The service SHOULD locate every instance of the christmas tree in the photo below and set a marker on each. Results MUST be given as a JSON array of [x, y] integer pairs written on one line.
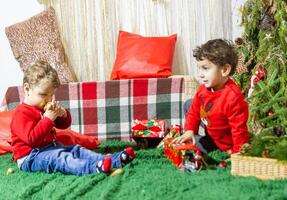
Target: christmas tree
[[262, 75]]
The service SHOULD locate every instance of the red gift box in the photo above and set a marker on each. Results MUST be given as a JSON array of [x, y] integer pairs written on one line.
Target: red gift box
[[148, 133], [153, 128]]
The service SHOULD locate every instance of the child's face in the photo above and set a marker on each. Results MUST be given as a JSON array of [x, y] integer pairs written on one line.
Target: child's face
[[39, 95], [211, 75]]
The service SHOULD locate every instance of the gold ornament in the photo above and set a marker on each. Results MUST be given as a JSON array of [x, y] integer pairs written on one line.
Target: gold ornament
[[116, 172], [10, 171]]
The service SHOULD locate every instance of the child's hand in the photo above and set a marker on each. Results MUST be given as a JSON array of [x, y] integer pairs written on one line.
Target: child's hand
[[50, 106], [54, 110], [187, 136], [51, 114], [61, 112]]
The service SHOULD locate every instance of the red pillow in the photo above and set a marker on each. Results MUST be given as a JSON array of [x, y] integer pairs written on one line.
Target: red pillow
[[143, 57], [69, 137], [5, 132]]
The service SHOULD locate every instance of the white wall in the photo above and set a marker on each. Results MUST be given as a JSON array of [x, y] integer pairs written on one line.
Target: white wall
[[14, 11], [237, 30], [11, 12]]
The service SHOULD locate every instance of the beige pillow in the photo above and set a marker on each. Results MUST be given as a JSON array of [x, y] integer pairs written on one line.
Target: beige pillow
[[38, 38]]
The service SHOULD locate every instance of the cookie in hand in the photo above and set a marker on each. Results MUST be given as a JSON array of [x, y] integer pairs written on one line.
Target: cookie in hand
[[49, 106]]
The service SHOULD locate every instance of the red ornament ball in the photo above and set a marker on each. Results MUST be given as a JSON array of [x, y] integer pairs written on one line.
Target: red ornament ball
[[270, 113], [222, 164]]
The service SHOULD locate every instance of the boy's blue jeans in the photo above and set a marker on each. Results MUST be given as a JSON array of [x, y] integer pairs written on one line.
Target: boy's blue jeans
[[204, 143], [73, 159]]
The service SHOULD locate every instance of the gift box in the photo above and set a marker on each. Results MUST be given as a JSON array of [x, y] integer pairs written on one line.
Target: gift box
[[154, 128], [174, 132], [185, 156], [148, 133]]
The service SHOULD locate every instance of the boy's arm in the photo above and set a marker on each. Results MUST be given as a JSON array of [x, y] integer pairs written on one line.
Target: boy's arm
[[192, 121], [238, 117], [34, 133]]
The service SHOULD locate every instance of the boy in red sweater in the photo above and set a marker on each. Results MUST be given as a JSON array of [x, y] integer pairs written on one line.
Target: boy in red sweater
[[218, 103], [33, 134]]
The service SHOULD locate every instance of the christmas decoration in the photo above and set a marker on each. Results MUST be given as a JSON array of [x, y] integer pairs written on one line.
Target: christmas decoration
[[245, 63], [185, 156], [148, 133], [154, 128], [279, 131], [264, 46], [241, 68], [10, 171], [259, 74], [174, 132], [268, 22], [222, 164]]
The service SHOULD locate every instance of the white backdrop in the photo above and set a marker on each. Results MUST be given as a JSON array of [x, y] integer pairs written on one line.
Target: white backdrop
[[89, 29], [10, 73]]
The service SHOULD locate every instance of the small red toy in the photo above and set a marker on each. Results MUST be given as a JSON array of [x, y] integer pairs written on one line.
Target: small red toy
[[184, 156]]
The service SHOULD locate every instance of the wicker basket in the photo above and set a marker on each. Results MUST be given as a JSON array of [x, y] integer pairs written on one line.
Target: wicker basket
[[262, 168], [190, 85]]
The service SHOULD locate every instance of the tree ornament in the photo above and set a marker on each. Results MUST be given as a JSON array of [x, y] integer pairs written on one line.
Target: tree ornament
[[279, 131], [268, 36], [239, 41], [268, 23], [259, 74], [222, 164], [241, 68], [270, 113]]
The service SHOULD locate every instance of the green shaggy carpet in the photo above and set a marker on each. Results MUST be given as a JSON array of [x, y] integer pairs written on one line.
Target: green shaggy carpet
[[149, 176]]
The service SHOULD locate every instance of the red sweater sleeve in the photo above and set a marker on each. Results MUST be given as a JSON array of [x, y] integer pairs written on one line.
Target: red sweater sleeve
[[238, 122], [63, 122], [36, 133], [192, 119]]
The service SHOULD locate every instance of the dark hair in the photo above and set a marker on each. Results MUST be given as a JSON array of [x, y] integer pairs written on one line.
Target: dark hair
[[219, 52], [41, 70]]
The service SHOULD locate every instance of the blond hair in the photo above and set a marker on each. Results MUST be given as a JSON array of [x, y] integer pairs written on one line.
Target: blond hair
[[41, 70]]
